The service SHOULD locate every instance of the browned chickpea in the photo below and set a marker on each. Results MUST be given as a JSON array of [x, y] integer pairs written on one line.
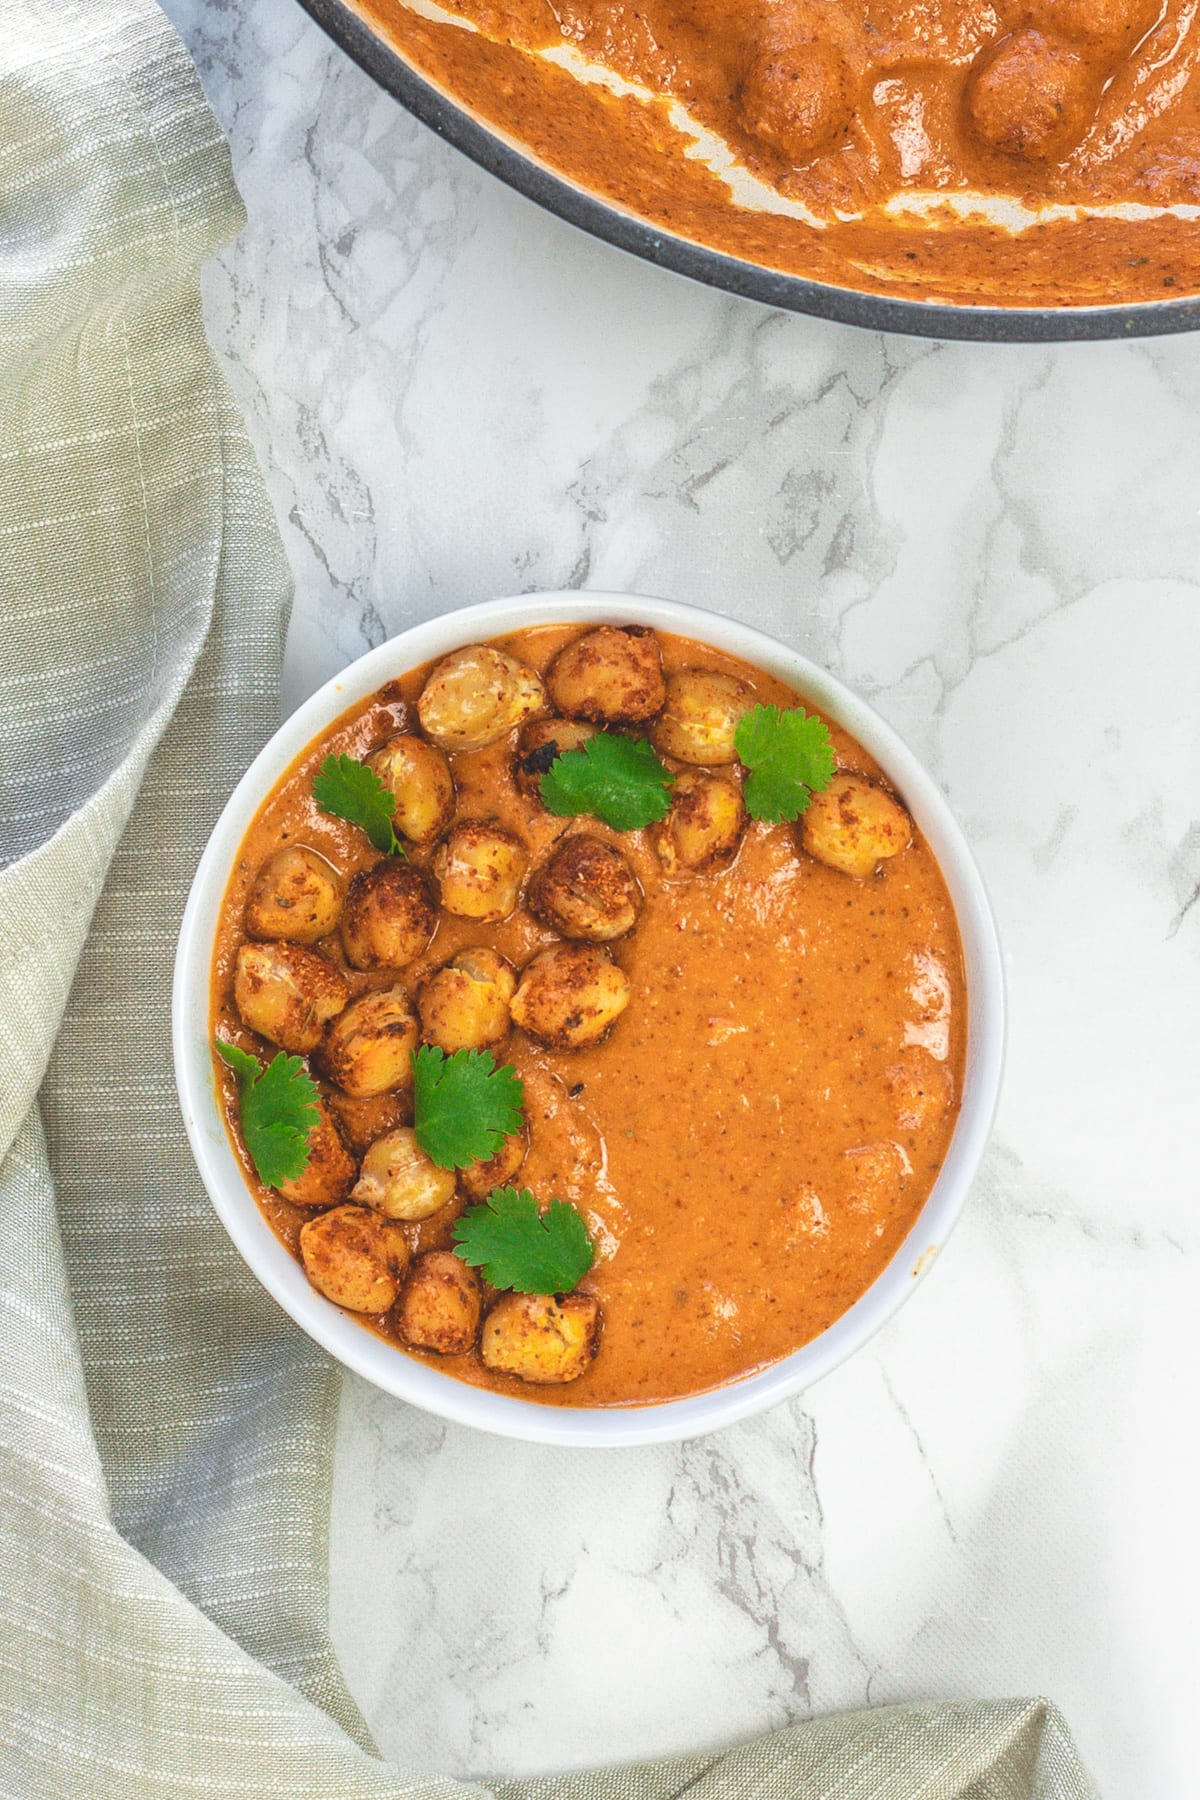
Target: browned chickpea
[[612, 675], [480, 869], [1030, 96], [286, 993], [362, 1121], [540, 744], [399, 1180], [854, 824], [798, 99], [354, 1258], [1103, 25], [440, 1305], [704, 827], [296, 896], [480, 1179], [418, 776], [570, 995], [476, 696], [586, 890], [390, 916], [464, 1006], [368, 1048], [541, 1338], [703, 711], [329, 1174]]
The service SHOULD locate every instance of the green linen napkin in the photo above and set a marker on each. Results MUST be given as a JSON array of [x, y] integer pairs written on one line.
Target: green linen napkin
[[165, 1432]]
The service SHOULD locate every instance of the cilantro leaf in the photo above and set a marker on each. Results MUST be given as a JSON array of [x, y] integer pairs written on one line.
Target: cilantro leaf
[[463, 1105], [618, 780], [789, 756], [277, 1108], [351, 791], [519, 1247]]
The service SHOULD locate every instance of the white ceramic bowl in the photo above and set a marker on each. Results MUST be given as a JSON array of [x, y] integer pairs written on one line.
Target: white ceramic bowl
[[382, 1363]]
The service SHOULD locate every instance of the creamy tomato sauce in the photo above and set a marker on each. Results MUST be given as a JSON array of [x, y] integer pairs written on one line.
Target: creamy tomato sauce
[[1020, 152], [756, 1136]]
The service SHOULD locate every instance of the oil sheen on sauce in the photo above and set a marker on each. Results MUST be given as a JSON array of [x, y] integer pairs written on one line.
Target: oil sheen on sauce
[[755, 1138], [1016, 152]]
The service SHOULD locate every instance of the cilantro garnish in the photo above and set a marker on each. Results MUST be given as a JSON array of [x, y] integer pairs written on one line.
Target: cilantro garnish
[[618, 780], [351, 791], [463, 1105], [277, 1107], [789, 756], [519, 1247]]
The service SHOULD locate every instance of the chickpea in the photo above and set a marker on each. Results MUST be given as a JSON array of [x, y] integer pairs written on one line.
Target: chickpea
[[480, 1179], [440, 1305], [286, 993], [330, 1171], [399, 1180], [354, 1259], [362, 1121], [368, 1048], [422, 787], [476, 696], [541, 1337], [540, 744], [854, 824], [464, 1006], [702, 713], [296, 896], [569, 996], [1030, 96], [877, 1176], [1110, 26], [480, 869], [390, 916], [612, 675], [704, 827], [586, 890]]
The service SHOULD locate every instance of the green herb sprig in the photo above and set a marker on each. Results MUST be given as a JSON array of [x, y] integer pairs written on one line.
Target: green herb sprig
[[277, 1109], [618, 780], [463, 1105], [520, 1247], [788, 757], [349, 790]]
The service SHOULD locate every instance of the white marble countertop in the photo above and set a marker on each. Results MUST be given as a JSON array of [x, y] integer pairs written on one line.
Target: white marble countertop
[[456, 396]]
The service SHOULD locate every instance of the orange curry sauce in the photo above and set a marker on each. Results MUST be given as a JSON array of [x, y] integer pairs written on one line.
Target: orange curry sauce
[[860, 134], [754, 1139]]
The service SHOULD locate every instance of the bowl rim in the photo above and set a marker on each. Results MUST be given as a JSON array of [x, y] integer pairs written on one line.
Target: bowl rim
[[558, 194], [340, 1333]]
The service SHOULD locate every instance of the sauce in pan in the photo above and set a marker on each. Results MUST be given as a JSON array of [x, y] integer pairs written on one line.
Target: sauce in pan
[[753, 1139], [1017, 152]]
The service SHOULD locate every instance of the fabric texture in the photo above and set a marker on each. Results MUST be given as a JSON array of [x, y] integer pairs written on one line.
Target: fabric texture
[[166, 1433]]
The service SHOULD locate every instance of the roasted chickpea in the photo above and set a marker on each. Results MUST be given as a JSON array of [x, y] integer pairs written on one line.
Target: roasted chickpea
[[354, 1258], [362, 1121], [701, 715], [368, 1048], [480, 869], [704, 827], [541, 1338], [586, 890], [476, 696], [612, 675], [570, 995], [297, 896], [286, 993], [329, 1174], [480, 1179], [854, 824], [464, 1006], [540, 744], [440, 1305], [422, 787], [1030, 96], [1103, 25], [390, 916], [399, 1180], [798, 100]]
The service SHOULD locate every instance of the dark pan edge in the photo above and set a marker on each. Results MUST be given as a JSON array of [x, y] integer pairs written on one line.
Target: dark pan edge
[[792, 293]]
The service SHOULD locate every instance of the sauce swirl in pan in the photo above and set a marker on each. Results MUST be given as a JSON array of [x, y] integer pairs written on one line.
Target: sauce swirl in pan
[[1017, 152], [753, 1139]]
